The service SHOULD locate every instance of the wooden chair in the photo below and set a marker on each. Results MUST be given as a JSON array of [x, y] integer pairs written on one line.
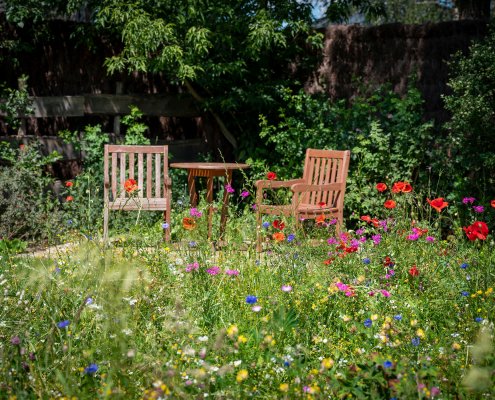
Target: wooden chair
[[152, 189], [320, 191]]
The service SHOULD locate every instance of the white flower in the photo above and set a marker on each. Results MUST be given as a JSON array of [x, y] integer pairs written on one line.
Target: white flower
[[203, 338], [237, 363]]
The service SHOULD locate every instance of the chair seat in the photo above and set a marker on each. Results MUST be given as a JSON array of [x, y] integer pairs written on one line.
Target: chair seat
[[303, 209], [136, 203]]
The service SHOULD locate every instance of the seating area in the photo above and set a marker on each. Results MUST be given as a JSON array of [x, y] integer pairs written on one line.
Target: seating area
[[137, 178]]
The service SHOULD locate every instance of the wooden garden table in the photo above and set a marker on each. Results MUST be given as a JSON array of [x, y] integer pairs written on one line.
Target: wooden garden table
[[209, 170]]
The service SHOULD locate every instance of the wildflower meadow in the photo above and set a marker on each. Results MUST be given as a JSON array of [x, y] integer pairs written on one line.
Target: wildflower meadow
[[397, 305]]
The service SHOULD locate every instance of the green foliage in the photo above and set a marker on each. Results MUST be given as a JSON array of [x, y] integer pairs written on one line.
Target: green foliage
[[16, 103], [471, 130], [28, 206], [135, 128], [385, 133], [13, 246]]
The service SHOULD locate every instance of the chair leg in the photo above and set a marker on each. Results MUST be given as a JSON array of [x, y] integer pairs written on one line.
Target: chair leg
[[258, 231], [105, 223], [166, 231]]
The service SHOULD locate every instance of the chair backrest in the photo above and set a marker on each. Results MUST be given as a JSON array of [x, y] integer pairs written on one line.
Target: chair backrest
[[147, 165], [322, 167]]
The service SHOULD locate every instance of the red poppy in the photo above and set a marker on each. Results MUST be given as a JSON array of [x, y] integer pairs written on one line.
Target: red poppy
[[130, 185], [328, 261], [398, 187], [375, 222], [407, 188], [381, 187], [322, 204], [477, 230], [271, 176], [320, 219], [492, 203], [366, 218], [188, 223], [390, 204], [69, 184], [388, 262], [278, 236], [278, 224], [438, 203], [69, 198], [413, 271]]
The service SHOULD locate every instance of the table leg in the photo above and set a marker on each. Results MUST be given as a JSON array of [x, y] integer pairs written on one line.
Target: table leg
[[193, 196], [209, 199], [225, 205]]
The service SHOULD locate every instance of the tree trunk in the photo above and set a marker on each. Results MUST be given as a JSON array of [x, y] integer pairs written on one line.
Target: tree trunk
[[473, 9]]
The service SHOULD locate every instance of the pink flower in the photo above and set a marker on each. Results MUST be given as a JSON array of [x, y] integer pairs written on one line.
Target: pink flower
[[332, 240], [478, 209], [232, 272], [468, 200], [286, 288], [213, 270], [430, 239], [192, 267], [244, 193], [229, 188], [341, 286], [413, 236], [256, 308], [385, 293]]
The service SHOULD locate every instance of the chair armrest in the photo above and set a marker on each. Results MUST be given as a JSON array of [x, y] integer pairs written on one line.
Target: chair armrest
[[303, 187], [167, 181], [265, 184]]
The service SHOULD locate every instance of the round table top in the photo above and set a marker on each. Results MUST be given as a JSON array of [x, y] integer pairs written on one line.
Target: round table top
[[209, 165]]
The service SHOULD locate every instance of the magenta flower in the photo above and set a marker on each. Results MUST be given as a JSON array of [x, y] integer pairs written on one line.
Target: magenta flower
[[286, 288], [385, 293], [376, 239], [229, 188], [232, 272], [332, 240], [413, 236], [468, 200], [192, 267], [478, 209], [194, 212], [430, 239], [213, 270], [244, 194]]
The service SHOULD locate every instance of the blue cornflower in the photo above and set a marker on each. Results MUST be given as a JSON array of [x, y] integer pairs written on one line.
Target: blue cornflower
[[286, 363], [63, 324], [165, 225], [388, 364], [415, 341], [464, 293], [192, 243], [266, 225], [368, 323], [366, 260], [291, 237], [250, 299], [69, 222], [89, 301], [464, 265], [91, 369], [478, 319], [398, 317]]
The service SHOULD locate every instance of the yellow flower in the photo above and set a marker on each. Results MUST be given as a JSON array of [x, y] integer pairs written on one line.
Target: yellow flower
[[284, 387], [346, 318], [456, 346], [327, 363], [242, 339], [232, 330], [360, 279], [420, 333], [414, 322], [374, 317], [242, 375]]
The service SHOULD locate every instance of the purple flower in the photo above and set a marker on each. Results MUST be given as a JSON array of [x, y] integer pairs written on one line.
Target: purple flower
[[286, 288], [360, 231], [63, 324], [91, 369], [15, 340], [165, 225], [464, 265], [398, 317], [250, 299], [266, 225], [332, 221], [464, 293], [213, 270], [192, 267], [88, 301], [367, 323], [478, 209], [244, 194], [332, 240], [232, 272], [413, 236], [194, 212], [468, 200], [388, 364], [478, 319], [291, 237], [415, 341], [366, 261], [430, 239], [385, 293], [229, 188], [376, 239]]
